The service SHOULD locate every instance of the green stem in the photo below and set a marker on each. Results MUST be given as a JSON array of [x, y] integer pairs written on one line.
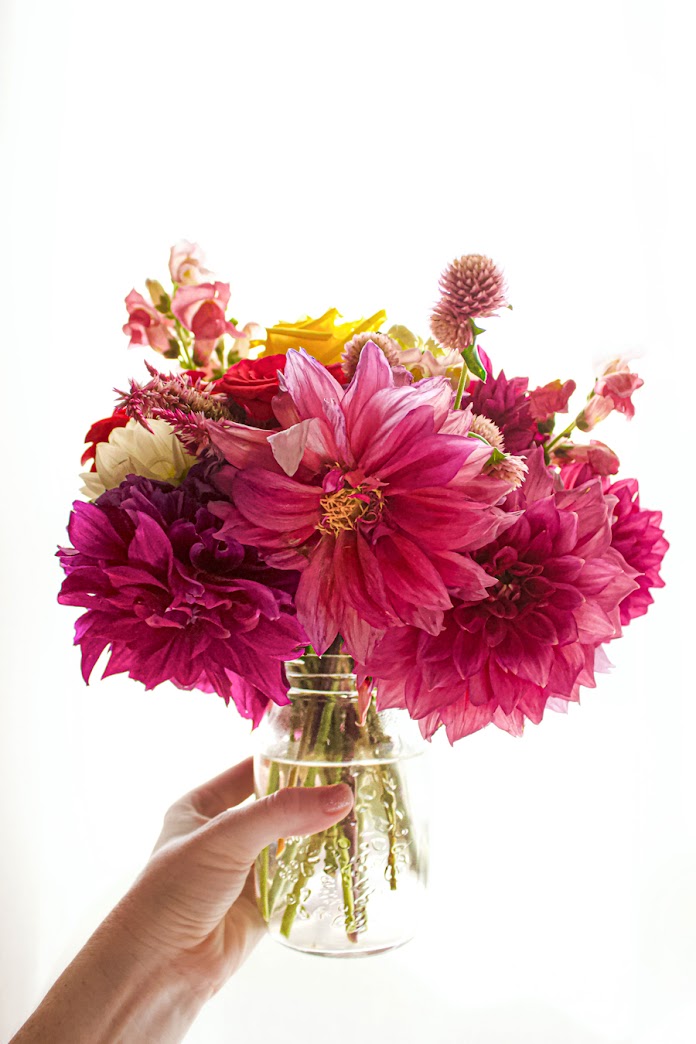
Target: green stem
[[273, 780], [461, 386], [293, 901], [563, 435]]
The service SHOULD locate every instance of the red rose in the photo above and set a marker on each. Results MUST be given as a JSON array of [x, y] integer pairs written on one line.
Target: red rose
[[252, 383], [337, 372], [100, 431]]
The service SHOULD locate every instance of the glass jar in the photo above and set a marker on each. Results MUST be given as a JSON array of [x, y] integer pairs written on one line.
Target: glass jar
[[357, 888]]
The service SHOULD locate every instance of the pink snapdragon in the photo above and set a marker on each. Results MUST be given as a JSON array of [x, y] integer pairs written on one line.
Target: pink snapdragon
[[148, 326], [201, 309], [579, 463], [550, 399], [186, 264], [618, 383]]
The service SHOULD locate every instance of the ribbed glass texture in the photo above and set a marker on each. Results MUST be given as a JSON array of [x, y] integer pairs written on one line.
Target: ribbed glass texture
[[357, 888]]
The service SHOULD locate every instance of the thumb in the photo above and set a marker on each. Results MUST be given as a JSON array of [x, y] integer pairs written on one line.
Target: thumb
[[294, 810]]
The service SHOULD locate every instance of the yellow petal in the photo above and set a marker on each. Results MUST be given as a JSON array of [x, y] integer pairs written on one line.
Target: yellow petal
[[323, 338]]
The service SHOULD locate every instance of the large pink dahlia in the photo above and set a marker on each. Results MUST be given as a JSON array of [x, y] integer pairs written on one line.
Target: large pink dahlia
[[374, 491], [637, 535], [557, 584], [174, 601]]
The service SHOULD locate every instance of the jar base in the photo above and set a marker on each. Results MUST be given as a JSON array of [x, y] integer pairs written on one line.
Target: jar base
[[368, 951]]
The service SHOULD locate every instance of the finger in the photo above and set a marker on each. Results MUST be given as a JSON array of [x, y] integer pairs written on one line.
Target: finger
[[290, 812], [224, 791]]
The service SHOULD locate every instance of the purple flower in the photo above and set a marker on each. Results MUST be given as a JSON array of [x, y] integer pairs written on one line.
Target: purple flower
[[174, 601], [507, 404]]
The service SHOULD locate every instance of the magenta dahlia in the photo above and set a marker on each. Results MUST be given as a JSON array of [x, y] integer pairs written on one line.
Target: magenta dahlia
[[637, 535], [556, 587], [507, 403], [374, 491], [173, 600]]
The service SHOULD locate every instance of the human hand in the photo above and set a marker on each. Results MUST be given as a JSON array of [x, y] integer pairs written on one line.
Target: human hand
[[194, 901], [188, 922]]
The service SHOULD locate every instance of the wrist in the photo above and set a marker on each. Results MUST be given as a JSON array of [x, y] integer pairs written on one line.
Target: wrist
[[118, 988]]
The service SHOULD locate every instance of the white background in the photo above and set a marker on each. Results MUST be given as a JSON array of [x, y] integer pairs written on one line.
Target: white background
[[341, 155]]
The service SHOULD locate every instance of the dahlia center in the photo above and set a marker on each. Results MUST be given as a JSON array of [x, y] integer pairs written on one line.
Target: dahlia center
[[345, 507]]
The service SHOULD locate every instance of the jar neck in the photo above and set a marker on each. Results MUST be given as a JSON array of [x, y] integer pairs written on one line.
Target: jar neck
[[331, 674]]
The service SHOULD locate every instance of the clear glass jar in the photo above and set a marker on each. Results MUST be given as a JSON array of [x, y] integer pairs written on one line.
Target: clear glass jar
[[357, 888]]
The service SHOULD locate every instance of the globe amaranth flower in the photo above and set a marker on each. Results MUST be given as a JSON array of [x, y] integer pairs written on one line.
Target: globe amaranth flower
[[373, 490], [351, 352], [556, 587], [172, 600], [472, 287], [637, 535], [134, 450]]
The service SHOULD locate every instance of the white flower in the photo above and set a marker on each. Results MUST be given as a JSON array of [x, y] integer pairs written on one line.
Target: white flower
[[134, 450]]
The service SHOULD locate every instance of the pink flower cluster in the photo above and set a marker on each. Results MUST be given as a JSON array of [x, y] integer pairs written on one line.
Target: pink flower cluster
[[471, 560]]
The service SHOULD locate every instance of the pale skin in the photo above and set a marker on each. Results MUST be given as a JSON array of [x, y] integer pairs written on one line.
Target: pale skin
[[188, 922]]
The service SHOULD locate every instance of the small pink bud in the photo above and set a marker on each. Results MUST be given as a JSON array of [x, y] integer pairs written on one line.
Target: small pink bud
[[597, 409]]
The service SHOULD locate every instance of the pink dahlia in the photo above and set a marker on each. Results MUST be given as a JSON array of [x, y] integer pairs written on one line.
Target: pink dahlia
[[556, 584], [374, 491], [637, 535], [173, 600]]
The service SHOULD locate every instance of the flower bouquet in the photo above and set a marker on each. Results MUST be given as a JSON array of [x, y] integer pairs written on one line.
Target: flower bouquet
[[346, 529]]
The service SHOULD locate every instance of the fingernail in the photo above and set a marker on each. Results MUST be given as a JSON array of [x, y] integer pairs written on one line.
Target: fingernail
[[337, 798]]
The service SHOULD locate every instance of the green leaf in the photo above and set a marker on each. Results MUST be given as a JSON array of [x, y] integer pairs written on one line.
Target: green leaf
[[473, 361]]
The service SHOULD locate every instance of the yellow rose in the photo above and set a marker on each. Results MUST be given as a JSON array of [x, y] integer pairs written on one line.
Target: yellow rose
[[323, 338]]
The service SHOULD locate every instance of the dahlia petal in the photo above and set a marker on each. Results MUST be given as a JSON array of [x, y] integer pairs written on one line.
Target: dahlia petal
[[512, 723], [480, 690], [315, 599], [462, 576], [390, 441], [241, 446], [452, 522], [433, 461], [535, 665], [275, 501], [310, 384], [469, 654], [288, 446], [91, 532], [507, 687], [358, 636], [409, 573], [463, 718], [567, 665], [372, 374], [356, 586], [150, 545]]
